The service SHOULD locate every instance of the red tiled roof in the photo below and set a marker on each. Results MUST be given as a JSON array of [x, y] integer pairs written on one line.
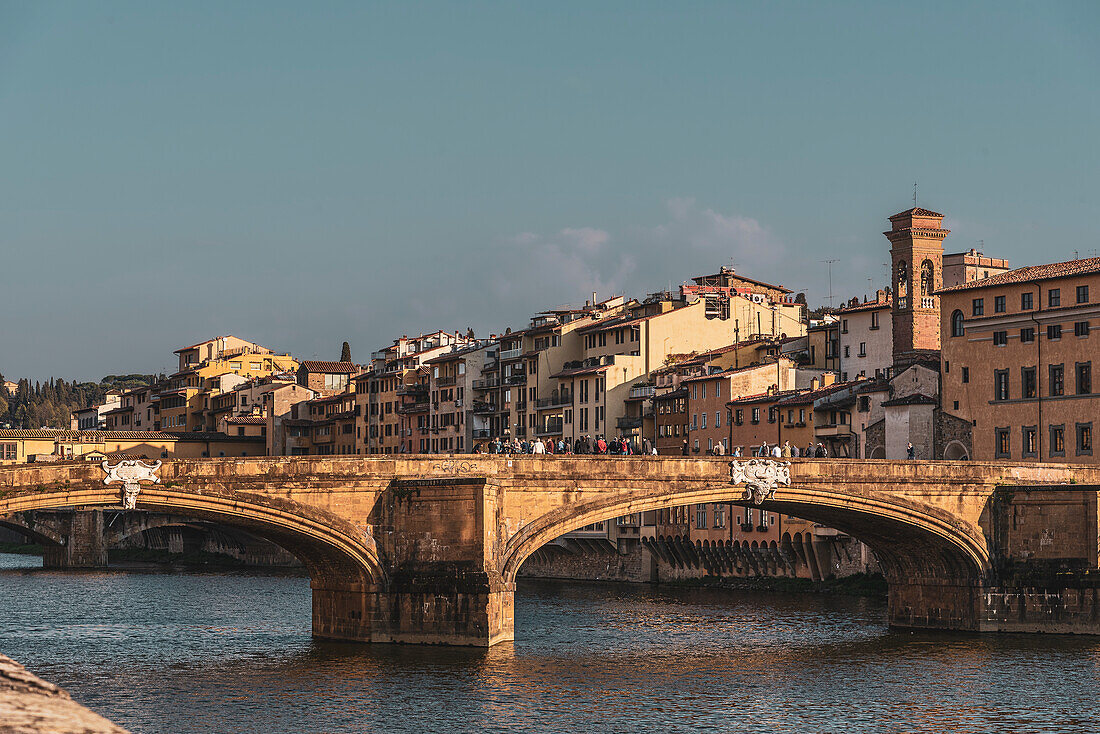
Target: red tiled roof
[[868, 306], [338, 368], [1050, 271], [247, 420], [916, 212]]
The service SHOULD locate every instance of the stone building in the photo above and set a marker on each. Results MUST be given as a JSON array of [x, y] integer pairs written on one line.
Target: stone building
[[1017, 358], [866, 339]]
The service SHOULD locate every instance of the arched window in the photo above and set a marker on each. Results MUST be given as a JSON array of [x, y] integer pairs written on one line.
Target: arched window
[[901, 284], [927, 284], [957, 323]]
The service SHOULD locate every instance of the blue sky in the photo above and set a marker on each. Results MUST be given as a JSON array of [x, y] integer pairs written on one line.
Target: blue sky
[[304, 173]]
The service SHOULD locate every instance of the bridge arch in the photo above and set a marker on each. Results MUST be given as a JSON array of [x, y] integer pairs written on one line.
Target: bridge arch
[[342, 561], [912, 541]]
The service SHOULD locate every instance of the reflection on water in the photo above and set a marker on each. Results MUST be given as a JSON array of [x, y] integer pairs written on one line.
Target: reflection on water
[[232, 653]]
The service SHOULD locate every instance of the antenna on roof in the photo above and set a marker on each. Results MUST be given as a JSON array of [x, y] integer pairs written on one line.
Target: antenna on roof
[[914, 194], [830, 264]]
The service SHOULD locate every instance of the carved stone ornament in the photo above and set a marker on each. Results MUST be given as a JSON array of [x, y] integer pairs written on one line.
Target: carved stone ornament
[[130, 472], [761, 477]]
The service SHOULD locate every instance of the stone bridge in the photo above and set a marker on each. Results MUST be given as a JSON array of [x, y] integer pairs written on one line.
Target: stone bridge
[[426, 549]]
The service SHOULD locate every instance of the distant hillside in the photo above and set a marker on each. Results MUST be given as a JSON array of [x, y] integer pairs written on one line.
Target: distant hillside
[[49, 404]]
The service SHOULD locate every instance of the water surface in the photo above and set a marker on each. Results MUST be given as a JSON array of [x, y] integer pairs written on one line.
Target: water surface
[[230, 652]]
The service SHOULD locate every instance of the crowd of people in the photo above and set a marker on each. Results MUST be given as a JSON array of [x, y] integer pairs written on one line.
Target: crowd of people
[[784, 450], [585, 445], [633, 446]]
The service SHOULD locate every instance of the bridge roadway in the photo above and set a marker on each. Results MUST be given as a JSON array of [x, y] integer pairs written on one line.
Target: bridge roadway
[[426, 549]]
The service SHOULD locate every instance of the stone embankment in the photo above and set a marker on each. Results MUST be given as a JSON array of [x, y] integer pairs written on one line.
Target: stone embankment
[[30, 705]]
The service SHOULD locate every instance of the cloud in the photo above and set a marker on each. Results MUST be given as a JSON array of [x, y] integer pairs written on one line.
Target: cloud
[[562, 266]]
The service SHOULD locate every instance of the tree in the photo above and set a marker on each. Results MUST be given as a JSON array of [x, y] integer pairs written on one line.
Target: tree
[[345, 353], [800, 298]]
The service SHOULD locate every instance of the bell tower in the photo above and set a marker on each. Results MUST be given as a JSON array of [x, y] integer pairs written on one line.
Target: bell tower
[[916, 273]]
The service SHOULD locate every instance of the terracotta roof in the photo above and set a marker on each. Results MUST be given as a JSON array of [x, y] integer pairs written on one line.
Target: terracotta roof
[[737, 370], [341, 368], [868, 306], [74, 435], [1050, 271], [247, 420], [914, 399], [916, 212]]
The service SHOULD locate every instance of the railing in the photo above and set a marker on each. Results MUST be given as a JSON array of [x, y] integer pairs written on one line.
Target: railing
[[903, 303], [521, 405], [519, 379], [511, 353], [643, 391], [487, 383], [446, 381], [551, 427], [412, 389], [483, 408], [482, 433], [416, 407], [928, 302], [490, 365], [629, 422], [556, 400]]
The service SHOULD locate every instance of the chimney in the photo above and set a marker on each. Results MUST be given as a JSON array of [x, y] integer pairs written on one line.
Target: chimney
[[880, 296], [814, 383], [593, 298]]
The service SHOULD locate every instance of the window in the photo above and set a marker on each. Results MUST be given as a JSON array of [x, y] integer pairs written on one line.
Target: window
[[874, 319], [704, 423], [1026, 301], [1027, 385], [1000, 338], [977, 307], [847, 351], [701, 517], [1082, 294], [1081, 328], [863, 349], [1054, 331], [703, 391], [1000, 384], [8, 451], [1029, 449], [1001, 447], [844, 326], [717, 419], [739, 416], [1027, 335], [1054, 297], [957, 323], [1057, 380], [998, 304], [966, 375], [1084, 439], [756, 415], [1058, 440], [1084, 378]]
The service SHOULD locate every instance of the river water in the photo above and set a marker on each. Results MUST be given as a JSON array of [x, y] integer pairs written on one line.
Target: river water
[[227, 652]]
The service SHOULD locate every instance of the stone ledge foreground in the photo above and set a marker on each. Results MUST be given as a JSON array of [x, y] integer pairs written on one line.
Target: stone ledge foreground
[[30, 705]]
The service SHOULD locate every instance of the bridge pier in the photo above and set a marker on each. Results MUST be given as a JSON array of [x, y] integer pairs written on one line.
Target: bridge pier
[[935, 604], [82, 541]]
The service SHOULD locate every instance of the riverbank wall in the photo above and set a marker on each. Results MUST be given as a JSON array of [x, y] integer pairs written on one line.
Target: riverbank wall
[[30, 705]]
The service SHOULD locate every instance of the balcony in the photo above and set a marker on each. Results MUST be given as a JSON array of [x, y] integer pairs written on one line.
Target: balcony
[[418, 407], [490, 365], [928, 302], [556, 400], [521, 405], [417, 389], [642, 391], [552, 427], [446, 381], [487, 384], [629, 422], [482, 433], [483, 408], [516, 379], [510, 354]]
